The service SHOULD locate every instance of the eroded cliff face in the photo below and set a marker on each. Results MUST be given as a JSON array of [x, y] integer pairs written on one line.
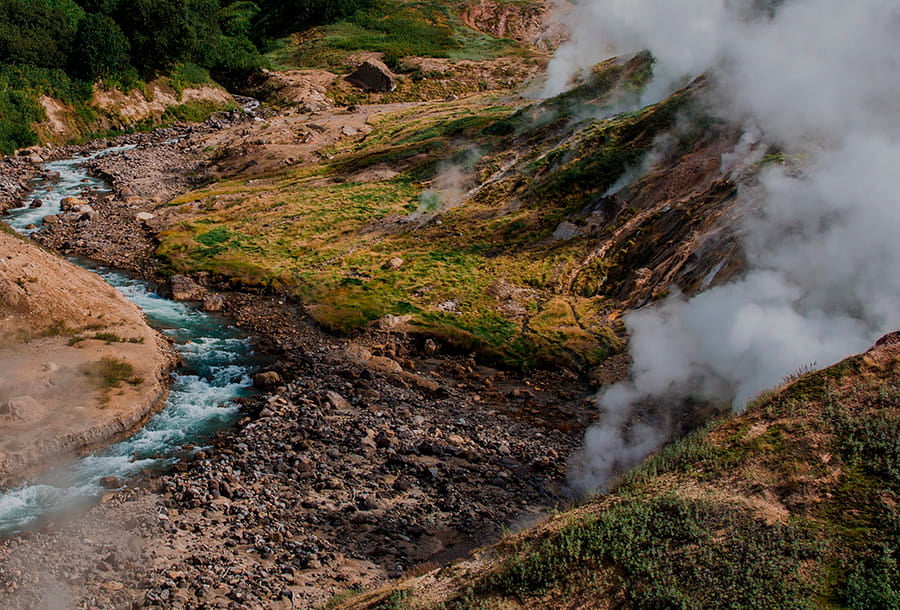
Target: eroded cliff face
[[530, 22], [78, 363], [116, 109]]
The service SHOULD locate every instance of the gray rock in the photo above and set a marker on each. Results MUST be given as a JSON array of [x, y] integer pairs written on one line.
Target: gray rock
[[214, 302], [337, 401]]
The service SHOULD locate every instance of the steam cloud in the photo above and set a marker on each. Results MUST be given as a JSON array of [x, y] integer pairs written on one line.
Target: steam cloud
[[816, 77]]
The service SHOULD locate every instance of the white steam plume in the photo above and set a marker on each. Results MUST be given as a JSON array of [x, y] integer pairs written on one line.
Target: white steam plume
[[820, 77]]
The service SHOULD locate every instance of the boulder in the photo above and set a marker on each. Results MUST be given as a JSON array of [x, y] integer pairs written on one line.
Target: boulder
[[52, 219], [69, 204], [337, 401], [36, 203], [111, 483], [393, 264], [373, 75], [391, 322], [182, 288], [213, 302], [24, 409], [144, 216], [266, 380]]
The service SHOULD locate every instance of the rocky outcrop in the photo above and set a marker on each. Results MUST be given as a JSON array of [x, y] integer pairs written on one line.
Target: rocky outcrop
[[117, 109], [373, 75]]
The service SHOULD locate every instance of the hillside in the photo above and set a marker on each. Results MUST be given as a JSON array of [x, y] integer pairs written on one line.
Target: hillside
[[489, 222], [792, 504]]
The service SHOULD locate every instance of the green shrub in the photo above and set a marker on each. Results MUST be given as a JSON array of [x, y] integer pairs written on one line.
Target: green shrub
[[673, 553]]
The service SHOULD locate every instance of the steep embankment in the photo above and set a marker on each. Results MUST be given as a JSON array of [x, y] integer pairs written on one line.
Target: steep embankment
[[80, 365], [158, 103], [792, 504]]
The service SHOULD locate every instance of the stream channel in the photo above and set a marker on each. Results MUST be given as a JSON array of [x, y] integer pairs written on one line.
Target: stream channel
[[215, 368]]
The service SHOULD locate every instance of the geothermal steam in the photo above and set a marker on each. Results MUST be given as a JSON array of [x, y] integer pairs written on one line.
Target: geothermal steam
[[819, 78]]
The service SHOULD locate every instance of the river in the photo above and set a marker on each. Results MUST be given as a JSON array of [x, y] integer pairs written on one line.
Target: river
[[215, 369]]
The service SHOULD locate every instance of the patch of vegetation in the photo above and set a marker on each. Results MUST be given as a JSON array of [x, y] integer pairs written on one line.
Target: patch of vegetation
[[110, 373], [195, 111], [107, 337], [396, 29], [675, 553]]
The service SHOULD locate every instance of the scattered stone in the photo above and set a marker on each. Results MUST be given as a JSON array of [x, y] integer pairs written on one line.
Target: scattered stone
[[144, 216], [36, 203]]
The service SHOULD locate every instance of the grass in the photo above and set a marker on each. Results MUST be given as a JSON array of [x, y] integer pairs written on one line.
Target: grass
[[106, 337], [108, 373], [674, 553]]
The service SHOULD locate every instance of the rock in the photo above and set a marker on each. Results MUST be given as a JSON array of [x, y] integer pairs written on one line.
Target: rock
[[36, 203], [430, 347], [384, 365], [347, 130], [71, 204], [373, 75], [144, 216], [36, 159], [337, 401], [182, 288], [22, 409], [393, 264], [51, 219], [31, 226], [392, 322], [111, 483], [566, 230], [266, 380], [214, 302]]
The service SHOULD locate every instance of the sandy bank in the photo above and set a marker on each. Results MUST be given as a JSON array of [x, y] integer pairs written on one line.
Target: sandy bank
[[78, 363]]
